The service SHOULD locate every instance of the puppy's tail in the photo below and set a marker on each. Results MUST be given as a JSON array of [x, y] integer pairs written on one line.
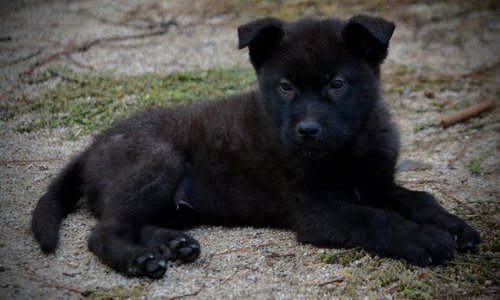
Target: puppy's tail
[[60, 199]]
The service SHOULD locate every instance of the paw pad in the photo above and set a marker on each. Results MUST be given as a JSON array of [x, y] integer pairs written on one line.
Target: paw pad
[[148, 265], [186, 250]]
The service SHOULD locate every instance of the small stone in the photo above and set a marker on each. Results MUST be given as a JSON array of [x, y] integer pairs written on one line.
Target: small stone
[[429, 95], [414, 165]]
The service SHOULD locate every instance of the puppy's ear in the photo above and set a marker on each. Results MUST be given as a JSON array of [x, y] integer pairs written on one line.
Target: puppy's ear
[[370, 36], [261, 37]]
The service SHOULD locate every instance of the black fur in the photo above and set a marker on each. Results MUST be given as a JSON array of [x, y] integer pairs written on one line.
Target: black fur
[[313, 149]]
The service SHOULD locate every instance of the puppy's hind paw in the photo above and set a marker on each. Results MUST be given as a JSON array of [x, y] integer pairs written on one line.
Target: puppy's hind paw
[[171, 244], [186, 249], [152, 266]]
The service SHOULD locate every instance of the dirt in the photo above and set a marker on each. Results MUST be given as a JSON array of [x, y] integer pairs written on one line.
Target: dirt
[[433, 40]]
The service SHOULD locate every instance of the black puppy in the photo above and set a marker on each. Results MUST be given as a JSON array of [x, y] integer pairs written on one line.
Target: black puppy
[[314, 149]]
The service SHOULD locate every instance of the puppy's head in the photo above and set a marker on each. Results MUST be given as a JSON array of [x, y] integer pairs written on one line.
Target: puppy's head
[[318, 79]]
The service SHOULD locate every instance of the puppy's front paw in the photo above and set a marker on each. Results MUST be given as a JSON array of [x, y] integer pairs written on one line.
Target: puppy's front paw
[[467, 239], [465, 236], [425, 245]]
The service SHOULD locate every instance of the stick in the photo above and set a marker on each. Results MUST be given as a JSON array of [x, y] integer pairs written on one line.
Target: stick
[[471, 111], [453, 197], [27, 162], [244, 249], [186, 295], [464, 147], [72, 47], [418, 182], [74, 290], [335, 280]]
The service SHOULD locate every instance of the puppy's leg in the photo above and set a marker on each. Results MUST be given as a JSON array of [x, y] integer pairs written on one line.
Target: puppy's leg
[[341, 223], [138, 194], [117, 246], [422, 208]]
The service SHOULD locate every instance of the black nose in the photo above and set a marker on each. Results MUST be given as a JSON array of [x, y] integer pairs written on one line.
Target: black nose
[[308, 130]]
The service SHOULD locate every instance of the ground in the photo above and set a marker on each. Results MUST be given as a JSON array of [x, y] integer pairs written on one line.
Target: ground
[[69, 68]]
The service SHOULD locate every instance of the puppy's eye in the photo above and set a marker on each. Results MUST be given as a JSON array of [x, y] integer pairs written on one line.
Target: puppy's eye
[[286, 86], [337, 84]]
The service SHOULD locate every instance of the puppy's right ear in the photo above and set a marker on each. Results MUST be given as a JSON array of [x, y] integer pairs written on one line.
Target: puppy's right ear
[[261, 37], [370, 36]]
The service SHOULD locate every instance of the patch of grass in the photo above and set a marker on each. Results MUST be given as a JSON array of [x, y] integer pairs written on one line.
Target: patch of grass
[[376, 278], [87, 102], [282, 9], [116, 292], [475, 166], [292, 9], [419, 127], [403, 79], [342, 257]]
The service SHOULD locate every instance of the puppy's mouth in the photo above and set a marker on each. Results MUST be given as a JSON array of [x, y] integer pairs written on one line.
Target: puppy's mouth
[[313, 153], [309, 149]]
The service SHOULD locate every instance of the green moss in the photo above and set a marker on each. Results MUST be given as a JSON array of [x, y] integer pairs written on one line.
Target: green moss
[[475, 166], [116, 292], [87, 102], [419, 127], [342, 257]]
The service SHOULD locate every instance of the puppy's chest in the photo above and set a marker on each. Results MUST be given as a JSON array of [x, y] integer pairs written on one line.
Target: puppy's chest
[[238, 189]]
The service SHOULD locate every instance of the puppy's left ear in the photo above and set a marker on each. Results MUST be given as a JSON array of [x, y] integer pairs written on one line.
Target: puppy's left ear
[[261, 37], [370, 36]]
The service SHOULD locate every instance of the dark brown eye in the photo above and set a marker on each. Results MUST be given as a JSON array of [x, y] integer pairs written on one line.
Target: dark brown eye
[[286, 86], [337, 84]]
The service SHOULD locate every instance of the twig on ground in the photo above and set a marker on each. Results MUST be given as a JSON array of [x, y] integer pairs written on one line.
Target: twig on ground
[[231, 276], [72, 47], [193, 294], [23, 58], [453, 197], [485, 201], [464, 147], [241, 249], [63, 77], [418, 181], [387, 290], [74, 290], [271, 254], [79, 64], [235, 273], [335, 280], [104, 20], [425, 144], [26, 162], [471, 111]]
